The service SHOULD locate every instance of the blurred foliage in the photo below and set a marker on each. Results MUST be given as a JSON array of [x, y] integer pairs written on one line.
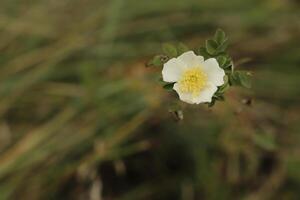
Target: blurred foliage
[[82, 118]]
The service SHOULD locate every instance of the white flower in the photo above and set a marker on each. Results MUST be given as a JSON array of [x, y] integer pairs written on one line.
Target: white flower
[[195, 80]]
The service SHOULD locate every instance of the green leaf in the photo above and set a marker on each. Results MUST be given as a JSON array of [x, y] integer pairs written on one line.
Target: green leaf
[[224, 57], [221, 60], [211, 47], [245, 79], [157, 61], [169, 49], [220, 36], [223, 87], [202, 51], [222, 47], [227, 64], [241, 78], [168, 86], [234, 79], [182, 48], [226, 79], [219, 97]]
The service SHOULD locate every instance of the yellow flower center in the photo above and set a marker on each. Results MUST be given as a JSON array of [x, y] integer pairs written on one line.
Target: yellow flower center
[[193, 81]]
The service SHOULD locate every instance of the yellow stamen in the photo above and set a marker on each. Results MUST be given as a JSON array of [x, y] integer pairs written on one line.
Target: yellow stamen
[[193, 81]]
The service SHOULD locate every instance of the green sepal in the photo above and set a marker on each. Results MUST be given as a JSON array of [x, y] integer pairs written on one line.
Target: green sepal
[[169, 86]]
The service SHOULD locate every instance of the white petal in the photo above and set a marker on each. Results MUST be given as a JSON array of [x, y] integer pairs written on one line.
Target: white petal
[[191, 59], [183, 96], [172, 70], [215, 74], [206, 94]]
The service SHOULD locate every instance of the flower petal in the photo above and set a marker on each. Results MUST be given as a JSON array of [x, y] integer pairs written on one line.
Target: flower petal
[[206, 94], [183, 96], [191, 59], [215, 74], [172, 70]]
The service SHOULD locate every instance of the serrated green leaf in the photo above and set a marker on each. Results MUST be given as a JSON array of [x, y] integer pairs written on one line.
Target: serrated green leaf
[[169, 86], [182, 48], [211, 47], [220, 36], [170, 50]]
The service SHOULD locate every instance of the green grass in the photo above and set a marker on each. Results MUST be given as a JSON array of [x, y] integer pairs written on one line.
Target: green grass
[[78, 109]]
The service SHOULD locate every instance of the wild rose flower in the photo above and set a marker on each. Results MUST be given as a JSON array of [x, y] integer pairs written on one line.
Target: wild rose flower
[[196, 80]]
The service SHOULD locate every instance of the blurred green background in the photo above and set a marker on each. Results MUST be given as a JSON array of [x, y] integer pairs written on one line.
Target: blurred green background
[[82, 118]]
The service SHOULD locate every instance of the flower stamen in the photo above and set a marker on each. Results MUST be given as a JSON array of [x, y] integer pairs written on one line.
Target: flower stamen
[[193, 81]]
